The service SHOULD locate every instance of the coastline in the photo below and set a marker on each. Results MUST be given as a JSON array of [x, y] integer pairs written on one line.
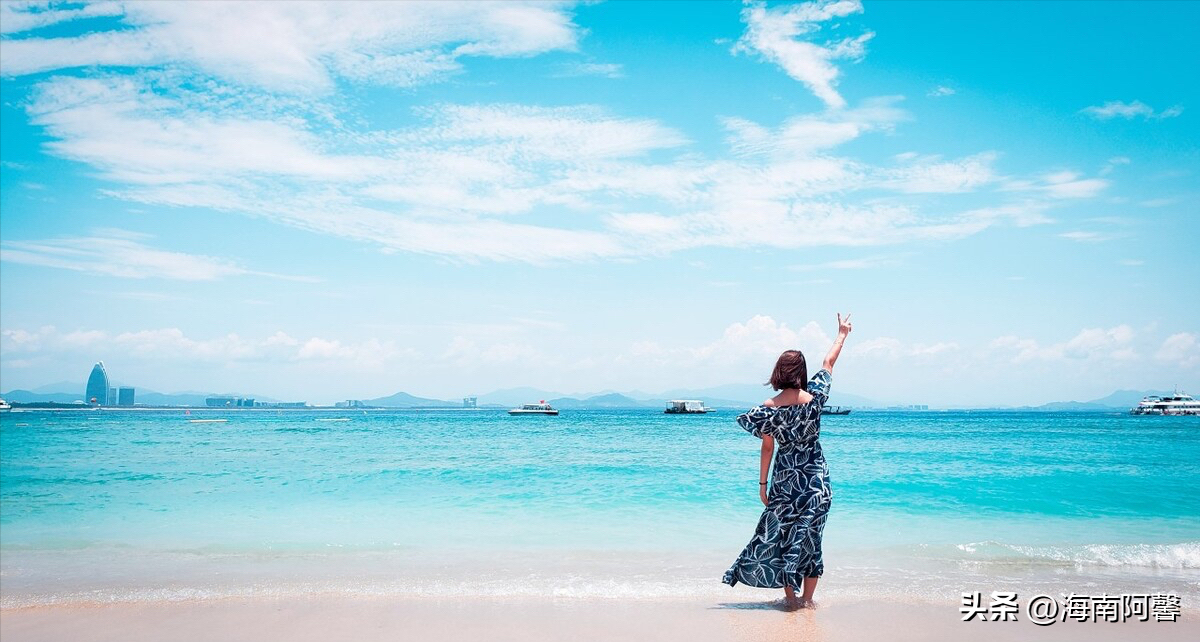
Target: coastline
[[744, 615]]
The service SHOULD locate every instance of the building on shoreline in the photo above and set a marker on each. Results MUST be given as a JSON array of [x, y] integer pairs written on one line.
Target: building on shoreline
[[125, 396], [229, 402], [96, 392]]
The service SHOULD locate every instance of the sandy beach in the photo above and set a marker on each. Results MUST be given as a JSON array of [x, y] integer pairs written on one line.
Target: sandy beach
[[328, 618]]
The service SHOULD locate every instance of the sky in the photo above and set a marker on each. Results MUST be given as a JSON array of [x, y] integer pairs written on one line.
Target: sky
[[323, 201]]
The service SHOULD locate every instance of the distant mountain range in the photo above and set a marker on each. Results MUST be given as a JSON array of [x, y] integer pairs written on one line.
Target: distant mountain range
[[1120, 399], [60, 393], [727, 396]]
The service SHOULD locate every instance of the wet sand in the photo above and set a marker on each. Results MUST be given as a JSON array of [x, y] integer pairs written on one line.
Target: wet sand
[[364, 619]]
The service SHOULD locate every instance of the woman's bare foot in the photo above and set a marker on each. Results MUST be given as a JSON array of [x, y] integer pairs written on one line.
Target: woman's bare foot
[[792, 603]]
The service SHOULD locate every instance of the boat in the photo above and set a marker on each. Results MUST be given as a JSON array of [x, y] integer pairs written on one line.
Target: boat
[[539, 408], [686, 407], [4, 406], [834, 410], [1177, 403]]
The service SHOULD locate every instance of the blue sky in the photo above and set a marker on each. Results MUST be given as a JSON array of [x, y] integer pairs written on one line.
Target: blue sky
[[325, 201]]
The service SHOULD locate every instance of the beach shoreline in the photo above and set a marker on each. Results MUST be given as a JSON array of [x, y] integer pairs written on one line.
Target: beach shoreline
[[742, 616]]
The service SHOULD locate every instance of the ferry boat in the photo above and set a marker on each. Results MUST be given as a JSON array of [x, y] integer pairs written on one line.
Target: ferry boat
[[1173, 404], [686, 407], [540, 408], [834, 410]]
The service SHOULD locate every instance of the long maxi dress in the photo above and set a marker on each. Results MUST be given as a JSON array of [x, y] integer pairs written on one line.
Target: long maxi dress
[[786, 547]]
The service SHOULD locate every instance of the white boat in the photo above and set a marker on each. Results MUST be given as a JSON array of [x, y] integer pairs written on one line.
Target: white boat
[[4, 405], [1173, 404], [540, 408], [686, 407]]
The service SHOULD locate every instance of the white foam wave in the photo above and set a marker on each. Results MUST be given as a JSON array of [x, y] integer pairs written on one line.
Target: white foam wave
[[1184, 555]]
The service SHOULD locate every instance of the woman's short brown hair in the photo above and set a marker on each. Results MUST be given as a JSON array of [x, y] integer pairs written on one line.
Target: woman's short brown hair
[[791, 371]]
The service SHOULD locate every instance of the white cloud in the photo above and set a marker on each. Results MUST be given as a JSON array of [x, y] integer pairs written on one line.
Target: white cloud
[[941, 90], [1093, 343], [454, 184], [889, 348], [16, 17], [1117, 109], [1113, 163], [307, 46], [111, 253], [172, 345], [850, 264], [810, 133], [602, 69], [775, 34], [1159, 202], [1087, 236], [1064, 184], [943, 177], [744, 348], [1181, 349]]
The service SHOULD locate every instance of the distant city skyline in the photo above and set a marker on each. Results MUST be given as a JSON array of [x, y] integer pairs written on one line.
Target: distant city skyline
[[447, 199]]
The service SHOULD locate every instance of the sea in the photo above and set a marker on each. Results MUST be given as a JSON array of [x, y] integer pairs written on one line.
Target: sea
[[116, 506]]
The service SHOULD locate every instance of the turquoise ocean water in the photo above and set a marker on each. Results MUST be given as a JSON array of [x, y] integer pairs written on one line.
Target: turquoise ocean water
[[143, 505]]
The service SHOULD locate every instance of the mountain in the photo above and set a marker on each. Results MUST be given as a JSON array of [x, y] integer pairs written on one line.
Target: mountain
[[1127, 398], [405, 400], [141, 397], [611, 400], [28, 396], [737, 394], [510, 397], [1123, 399], [68, 387]]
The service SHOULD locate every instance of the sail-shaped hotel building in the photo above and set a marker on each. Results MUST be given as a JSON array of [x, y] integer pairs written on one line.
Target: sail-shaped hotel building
[[97, 386]]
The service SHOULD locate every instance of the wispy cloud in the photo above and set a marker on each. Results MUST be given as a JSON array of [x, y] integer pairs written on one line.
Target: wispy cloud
[[1064, 184], [942, 177], [780, 34], [602, 69], [120, 255], [850, 264], [308, 46], [941, 90], [1113, 163], [1087, 236], [1091, 343], [1117, 109], [1182, 349], [172, 345], [497, 182]]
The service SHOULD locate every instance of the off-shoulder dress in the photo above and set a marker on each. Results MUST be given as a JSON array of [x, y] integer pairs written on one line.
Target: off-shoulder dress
[[786, 547]]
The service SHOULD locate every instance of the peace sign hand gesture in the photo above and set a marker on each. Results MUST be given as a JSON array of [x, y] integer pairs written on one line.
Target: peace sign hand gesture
[[844, 326]]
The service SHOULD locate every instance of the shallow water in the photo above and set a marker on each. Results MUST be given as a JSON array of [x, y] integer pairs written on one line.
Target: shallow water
[[135, 505]]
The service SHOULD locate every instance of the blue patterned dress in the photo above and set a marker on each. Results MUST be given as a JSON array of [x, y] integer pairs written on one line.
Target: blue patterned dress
[[786, 547]]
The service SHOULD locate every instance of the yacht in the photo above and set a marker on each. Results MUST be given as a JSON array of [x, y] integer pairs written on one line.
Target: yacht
[[540, 408], [834, 410], [1173, 404], [686, 407], [4, 405]]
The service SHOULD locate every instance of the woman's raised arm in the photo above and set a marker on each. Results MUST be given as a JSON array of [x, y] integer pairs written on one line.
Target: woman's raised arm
[[836, 348]]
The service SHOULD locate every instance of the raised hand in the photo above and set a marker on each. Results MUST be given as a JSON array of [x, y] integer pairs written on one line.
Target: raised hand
[[844, 326]]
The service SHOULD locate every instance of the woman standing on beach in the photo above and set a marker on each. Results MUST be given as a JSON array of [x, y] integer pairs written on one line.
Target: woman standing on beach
[[786, 548]]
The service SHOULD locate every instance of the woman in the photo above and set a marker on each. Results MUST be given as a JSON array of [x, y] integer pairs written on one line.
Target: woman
[[786, 548]]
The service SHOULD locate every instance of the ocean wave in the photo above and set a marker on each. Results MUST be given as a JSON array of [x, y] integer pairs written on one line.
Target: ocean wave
[[1184, 555]]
